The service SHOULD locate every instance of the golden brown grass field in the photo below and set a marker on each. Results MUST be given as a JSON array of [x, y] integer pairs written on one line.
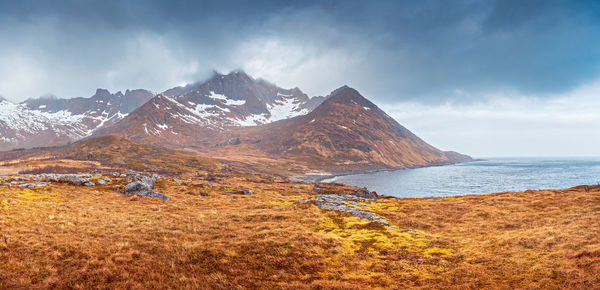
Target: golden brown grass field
[[65, 236]]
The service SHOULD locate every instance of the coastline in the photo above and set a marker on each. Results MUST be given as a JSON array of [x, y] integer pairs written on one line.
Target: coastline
[[323, 177], [500, 174]]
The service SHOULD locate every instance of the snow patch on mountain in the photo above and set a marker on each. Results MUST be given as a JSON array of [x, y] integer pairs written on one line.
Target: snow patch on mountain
[[226, 101], [219, 113], [251, 120], [285, 108]]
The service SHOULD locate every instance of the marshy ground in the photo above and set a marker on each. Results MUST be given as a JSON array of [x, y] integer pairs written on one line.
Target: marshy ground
[[66, 236]]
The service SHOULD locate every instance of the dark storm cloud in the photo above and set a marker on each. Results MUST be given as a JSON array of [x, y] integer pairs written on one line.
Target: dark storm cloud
[[390, 50]]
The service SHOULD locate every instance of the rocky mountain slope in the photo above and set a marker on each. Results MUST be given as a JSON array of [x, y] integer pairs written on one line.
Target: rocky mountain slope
[[345, 132], [52, 121]]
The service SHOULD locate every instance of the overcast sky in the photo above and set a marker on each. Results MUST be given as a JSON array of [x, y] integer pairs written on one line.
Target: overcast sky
[[486, 78]]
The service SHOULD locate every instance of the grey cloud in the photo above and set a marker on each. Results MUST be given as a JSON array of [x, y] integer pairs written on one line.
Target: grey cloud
[[391, 51]]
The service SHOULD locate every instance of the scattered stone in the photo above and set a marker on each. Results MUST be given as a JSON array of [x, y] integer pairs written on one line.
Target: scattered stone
[[341, 203], [318, 189], [241, 191], [39, 184], [364, 193], [34, 185], [103, 181], [209, 185], [89, 183], [73, 180]]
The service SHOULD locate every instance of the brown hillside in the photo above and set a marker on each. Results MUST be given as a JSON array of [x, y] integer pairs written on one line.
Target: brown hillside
[[347, 131]]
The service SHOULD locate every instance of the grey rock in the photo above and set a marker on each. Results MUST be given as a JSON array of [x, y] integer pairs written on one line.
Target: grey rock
[[297, 187], [39, 184], [136, 187], [340, 203], [143, 186], [34, 185], [73, 180], [103, 181], [155, 194], [241, 191], [366, 194], [209, 185], [177, 181]]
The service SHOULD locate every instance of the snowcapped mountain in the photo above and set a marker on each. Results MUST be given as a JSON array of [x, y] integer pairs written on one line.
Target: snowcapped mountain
[[237, 99], [51, 121], [183, 114]]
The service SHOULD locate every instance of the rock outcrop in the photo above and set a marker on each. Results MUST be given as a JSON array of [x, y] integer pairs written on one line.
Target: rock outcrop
[[143, 186]]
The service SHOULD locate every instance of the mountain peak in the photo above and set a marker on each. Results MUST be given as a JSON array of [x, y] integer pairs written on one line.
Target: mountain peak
[[233, 75], [102, 92], [345, 91], [348, 95]]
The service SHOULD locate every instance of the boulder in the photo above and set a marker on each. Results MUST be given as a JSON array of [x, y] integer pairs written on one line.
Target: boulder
[[241, 191], [144, 186], [103, 181], [209, 185], [75, 180], [33, 185], [364, 193]]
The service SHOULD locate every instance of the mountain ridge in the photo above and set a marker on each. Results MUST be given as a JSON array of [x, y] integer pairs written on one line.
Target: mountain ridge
[[342, 131], [53, 121]]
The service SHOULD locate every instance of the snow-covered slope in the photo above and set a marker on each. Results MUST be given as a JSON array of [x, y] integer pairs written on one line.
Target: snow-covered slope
[[52, 121], [219, 111]]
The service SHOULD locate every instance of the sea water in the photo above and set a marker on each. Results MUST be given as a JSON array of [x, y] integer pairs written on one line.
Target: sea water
[[478, 177]]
